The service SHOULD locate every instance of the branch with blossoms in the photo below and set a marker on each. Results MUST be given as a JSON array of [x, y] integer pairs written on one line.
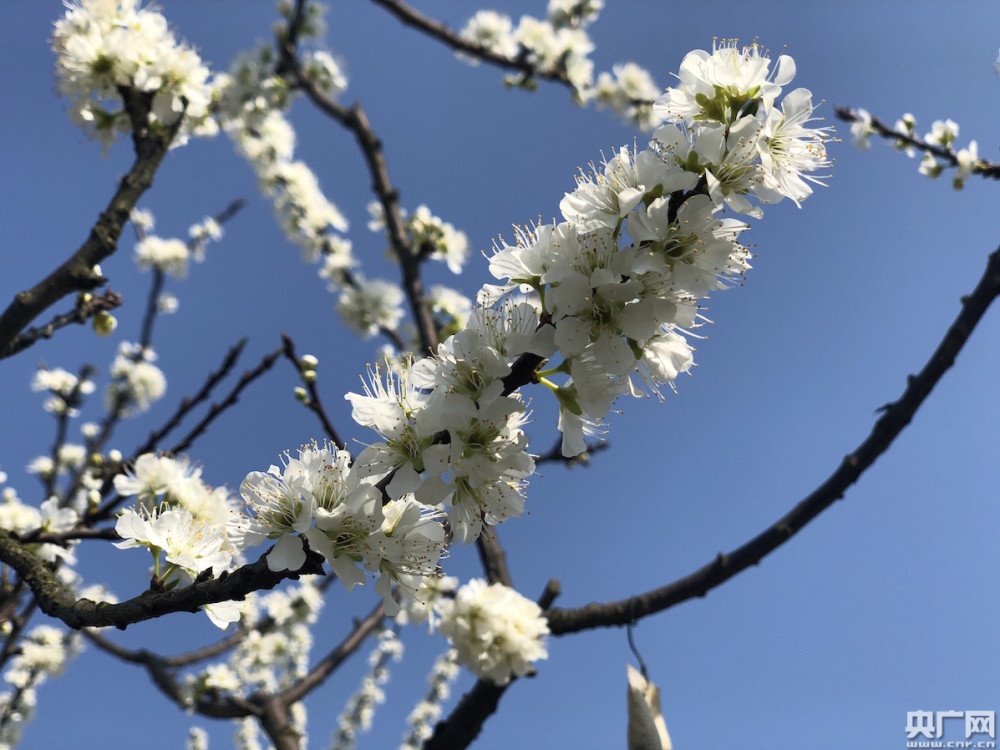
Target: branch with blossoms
[[936, 146], [355, 120], [553, 49], [595, 307], [57, 601]]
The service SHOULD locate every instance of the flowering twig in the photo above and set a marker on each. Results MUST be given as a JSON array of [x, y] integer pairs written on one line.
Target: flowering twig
[[944, 153], [355, 120], [390, 333], [554, 454], [87, 306], [77, 272], [440, 31], [159, 669], [153, 299]]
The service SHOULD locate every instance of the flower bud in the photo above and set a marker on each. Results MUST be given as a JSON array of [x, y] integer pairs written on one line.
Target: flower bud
[[104, 323]]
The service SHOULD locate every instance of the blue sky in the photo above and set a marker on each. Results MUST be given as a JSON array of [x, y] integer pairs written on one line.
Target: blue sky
[[886, 603]]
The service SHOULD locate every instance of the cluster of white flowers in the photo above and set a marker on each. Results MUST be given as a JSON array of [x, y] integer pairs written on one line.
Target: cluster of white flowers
[[426, 713], [630, 90], [369, 306], [197, 739], [479, 471], [428, 235], [42, 653], [196, 527], [104, 46], [172, 255], [136, 381], [496, 632], [943, 134], [557, 44], [62, 386], [451, 308], [252, 99], [621, 278], [360, 708], [338, 510], [614, 288], [560, 45], [51, 516]]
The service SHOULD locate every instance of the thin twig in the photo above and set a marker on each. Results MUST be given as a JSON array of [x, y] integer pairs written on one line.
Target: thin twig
[[313, 404], [218, 707], [86, 308], [329, 663], [945, 153]]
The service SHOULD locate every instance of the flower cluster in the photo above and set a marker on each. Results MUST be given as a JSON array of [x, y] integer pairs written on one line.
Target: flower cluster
[[428, 235], [479, 469], [196, 527], [426, 713], [64, 389], [252, 100], [107, 47], [171, 255], [559, 46], [42, 653], [497, 633], [641, 244], [136, 381], [319, 497]]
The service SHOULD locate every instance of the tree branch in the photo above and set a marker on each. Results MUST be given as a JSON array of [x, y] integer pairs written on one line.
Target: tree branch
[[313, 404], [895, 417], [442, 33], [326, 666], [85, 309], [945, 153], [355, 120], [55, 600], [76, 273]]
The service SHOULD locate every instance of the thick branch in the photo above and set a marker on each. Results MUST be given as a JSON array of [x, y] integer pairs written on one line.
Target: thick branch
[[895, 417], [56, 600], [76, 273]]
